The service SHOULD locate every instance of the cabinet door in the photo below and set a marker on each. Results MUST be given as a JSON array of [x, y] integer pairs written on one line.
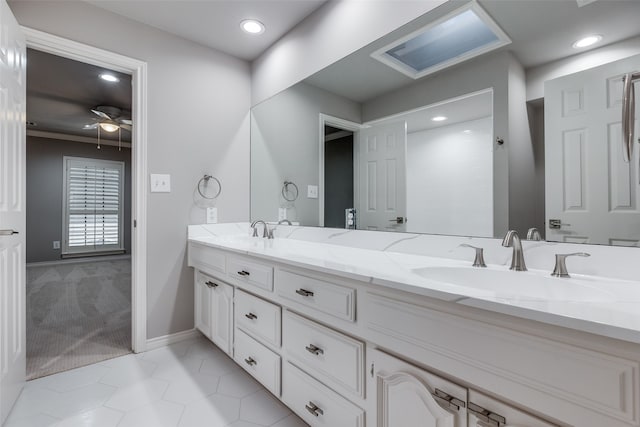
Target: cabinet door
[[221, 304], [202, 304], [485, 411], [401, 394]]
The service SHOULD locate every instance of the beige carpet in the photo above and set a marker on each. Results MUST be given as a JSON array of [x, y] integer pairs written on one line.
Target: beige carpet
[[77, 314]]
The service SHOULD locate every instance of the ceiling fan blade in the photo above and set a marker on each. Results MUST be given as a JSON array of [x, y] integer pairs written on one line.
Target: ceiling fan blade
[[125, 121], [125, 127], [92, 126], [101, 114]]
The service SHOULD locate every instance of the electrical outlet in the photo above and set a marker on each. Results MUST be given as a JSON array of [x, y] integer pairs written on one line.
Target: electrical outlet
[[56, 244], [212, 215], [282, 214], [160, 183], [312, 191]]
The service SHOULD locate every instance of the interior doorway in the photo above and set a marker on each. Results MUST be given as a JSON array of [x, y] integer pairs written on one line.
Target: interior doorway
[[338, 175], [78, 209]]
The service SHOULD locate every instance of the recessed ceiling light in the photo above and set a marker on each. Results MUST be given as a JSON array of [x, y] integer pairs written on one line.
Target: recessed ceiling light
[[439, 118], [467, 131], [109, 77], [587, 41], [252, 26]]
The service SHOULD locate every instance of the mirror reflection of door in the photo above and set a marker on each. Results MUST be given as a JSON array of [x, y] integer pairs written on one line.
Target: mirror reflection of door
[[591, 200], [382, 177], [338, 175]]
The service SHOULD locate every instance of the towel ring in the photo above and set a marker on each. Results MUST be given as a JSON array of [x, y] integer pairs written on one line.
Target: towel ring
[[285, 191], [206, 179]]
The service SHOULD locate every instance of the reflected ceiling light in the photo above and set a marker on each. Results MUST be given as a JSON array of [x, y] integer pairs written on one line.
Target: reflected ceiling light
[[252, 26], [587, 41], [439, 118], [467, 131], [109, 78], [109, 127]]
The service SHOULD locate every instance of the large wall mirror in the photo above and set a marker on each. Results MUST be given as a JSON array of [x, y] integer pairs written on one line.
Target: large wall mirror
[[476, 118]]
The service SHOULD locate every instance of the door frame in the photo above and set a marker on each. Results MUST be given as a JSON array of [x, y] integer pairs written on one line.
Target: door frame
[[59, 46], [325, 119]]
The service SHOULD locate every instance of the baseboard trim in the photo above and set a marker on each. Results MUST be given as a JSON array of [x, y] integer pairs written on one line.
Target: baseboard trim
[[79, 260], [165, 340]]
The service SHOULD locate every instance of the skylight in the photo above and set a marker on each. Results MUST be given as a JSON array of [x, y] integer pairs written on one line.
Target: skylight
[[461, 35]]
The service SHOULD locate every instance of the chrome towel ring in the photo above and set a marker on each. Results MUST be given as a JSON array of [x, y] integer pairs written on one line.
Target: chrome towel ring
[[205, 180], [287, 192]]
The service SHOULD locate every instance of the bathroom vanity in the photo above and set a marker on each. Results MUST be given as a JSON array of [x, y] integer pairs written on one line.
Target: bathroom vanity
[[347, 336]]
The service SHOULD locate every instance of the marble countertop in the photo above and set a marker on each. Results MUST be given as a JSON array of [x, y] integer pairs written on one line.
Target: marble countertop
[[595, 304]]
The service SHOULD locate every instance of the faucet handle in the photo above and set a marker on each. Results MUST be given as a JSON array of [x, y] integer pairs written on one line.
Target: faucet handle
[[479, 259], [560, 269], [534, 234]]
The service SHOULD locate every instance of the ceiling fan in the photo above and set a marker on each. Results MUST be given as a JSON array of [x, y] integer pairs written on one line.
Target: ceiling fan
[[110, 119]]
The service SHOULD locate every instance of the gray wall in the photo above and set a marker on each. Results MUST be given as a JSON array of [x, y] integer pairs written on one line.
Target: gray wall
[[198, 122], [284, 146], [45, 191]]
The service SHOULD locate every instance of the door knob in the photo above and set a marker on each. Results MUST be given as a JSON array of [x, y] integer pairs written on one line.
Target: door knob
[[557, 223], [8, 232], [398, 220]]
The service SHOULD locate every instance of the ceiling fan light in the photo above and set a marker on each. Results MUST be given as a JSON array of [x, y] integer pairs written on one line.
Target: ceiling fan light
[[109, 127]]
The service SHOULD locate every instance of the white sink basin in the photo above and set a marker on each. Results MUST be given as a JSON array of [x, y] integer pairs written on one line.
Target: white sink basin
[[519, 284]]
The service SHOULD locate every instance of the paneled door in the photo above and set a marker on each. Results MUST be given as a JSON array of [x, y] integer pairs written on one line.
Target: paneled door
[[590, 191], [12, 209], [401, 394], [381, 187]]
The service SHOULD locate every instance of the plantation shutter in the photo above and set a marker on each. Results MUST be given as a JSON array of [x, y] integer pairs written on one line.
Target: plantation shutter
[[93, 205]]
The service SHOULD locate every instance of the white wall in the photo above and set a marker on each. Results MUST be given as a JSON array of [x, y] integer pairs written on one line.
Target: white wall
[[593, 58], [199, 102], [450, 179], [334, 31], [285, 145]]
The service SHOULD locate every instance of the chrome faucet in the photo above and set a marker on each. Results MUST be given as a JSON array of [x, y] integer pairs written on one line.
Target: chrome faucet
[[285, 221], [511, 239], [534, 234], [265, 230]]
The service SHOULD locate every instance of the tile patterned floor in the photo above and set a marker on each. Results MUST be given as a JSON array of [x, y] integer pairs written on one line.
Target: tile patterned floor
[[187, 384]]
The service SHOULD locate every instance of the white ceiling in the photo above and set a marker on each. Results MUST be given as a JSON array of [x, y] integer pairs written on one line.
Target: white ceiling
[[459, 110], [541, 31], [216, 23]]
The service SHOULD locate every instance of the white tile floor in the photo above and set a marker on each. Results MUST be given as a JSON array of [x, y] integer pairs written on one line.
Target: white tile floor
[[188, 384]]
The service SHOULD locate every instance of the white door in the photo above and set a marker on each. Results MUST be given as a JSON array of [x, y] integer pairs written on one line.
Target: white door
[[401, 394], [12, 209], [202, 304], [589, 188], [222, 315], [485, 411], [381, 187]]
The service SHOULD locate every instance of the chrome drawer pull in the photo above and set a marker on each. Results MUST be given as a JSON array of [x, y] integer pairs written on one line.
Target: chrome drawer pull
[[250, 361], [251, 316], [313, 409], [448, 401], [211, 284], [244, 273], [304, 292], [491, 418], [314, 350]]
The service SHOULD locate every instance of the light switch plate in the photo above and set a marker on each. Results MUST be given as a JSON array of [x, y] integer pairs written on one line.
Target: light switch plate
[[56, 244], [160, 183], [212, 215], [312, 191]]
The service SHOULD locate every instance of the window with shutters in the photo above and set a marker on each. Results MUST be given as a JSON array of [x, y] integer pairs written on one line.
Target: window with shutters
[[92, 209]]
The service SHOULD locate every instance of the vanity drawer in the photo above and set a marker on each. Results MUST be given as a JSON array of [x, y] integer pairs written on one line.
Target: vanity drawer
[[250, 272], [316, 404], [262, 363], [330, 356], [206, 259], [330, 298], [259, 318]]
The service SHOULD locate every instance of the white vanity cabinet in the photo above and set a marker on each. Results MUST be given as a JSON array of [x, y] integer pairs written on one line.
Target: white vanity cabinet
[[401, 394], [214, 310]]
